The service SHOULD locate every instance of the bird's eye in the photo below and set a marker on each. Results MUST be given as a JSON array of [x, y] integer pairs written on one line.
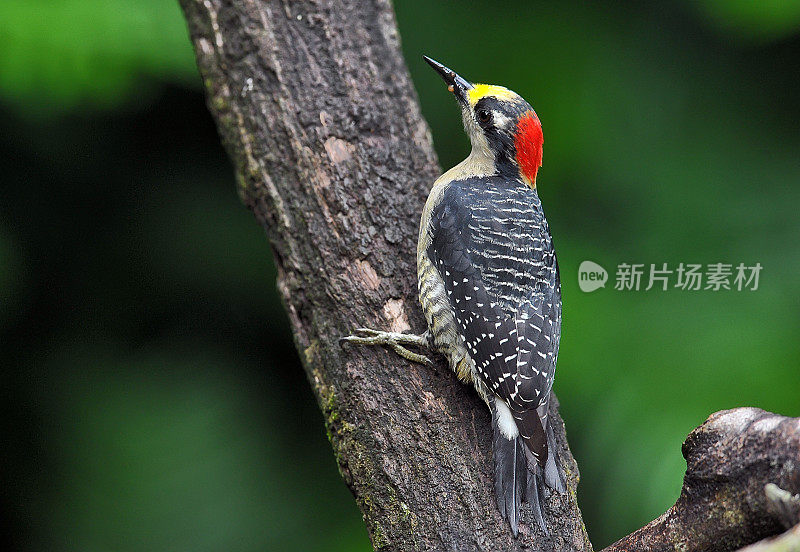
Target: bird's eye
[[484, 115]]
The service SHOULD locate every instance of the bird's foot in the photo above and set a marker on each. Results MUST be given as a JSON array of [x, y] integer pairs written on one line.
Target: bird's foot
[[395, 340]]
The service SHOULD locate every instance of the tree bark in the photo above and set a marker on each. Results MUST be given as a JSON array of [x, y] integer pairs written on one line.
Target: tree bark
[[724, 504], [316, 108], [787, 542]]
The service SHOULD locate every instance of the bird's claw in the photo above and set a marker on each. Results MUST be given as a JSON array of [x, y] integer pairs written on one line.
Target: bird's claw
[[395, 340]]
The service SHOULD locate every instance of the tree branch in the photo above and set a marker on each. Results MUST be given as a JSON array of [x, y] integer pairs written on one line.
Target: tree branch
[[723, 504], [787, 542], [316, 108]]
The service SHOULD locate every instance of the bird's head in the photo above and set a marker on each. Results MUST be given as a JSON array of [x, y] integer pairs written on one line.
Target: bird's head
[[500, 124]]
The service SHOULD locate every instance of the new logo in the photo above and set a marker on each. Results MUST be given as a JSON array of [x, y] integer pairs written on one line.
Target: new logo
[[591, 276]]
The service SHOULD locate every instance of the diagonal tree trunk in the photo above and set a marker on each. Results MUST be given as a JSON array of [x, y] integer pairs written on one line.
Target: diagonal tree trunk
[[317, 110], [315, 107]]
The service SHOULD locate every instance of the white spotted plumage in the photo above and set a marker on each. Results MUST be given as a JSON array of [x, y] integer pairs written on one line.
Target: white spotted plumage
[[490, 290]]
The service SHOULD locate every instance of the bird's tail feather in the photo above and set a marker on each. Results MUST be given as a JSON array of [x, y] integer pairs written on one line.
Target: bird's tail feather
[[534, 495], [510, 476], [553, 476], [518, 477]]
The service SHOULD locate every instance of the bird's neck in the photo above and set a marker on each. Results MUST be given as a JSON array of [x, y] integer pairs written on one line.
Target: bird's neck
[[480, 162]]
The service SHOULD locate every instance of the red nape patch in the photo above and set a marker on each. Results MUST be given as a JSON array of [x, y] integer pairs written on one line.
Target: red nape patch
[[529, 140]]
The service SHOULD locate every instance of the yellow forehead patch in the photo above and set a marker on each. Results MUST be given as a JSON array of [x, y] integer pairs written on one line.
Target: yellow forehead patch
[[483, 90]]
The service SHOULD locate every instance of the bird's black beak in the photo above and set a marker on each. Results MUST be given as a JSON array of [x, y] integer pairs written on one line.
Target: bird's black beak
[[455, 83]]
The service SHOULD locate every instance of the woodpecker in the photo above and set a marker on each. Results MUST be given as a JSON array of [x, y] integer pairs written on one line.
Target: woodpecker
[[490, 289]]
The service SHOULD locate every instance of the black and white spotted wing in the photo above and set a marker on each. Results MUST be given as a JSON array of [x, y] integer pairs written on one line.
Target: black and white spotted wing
[[493, 249]]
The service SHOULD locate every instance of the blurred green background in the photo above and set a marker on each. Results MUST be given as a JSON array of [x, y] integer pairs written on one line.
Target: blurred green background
[[152, 398]]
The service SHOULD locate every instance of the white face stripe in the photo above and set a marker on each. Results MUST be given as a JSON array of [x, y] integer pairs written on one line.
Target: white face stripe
[[500, 119]]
